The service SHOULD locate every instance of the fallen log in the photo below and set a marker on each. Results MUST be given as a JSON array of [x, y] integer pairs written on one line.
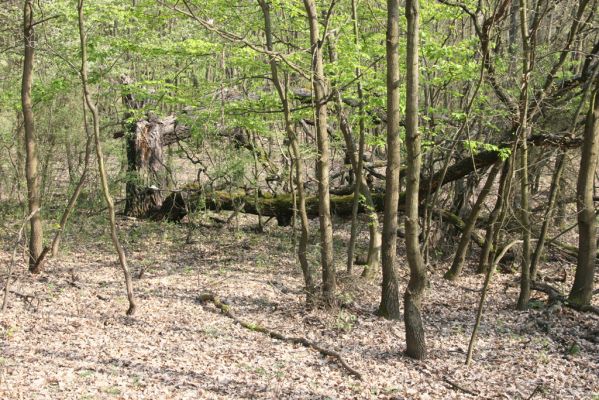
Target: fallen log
[[179, 203]]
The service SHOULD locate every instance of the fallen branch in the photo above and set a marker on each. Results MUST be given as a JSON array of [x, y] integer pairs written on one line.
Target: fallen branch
[[556, 296], [459, 387], [226, 309]]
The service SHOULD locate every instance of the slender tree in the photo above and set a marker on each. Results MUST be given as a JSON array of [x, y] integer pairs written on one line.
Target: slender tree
[[389, 306], [524, 130], [101, 168], [458, 261], [298, 161], [323, 163]]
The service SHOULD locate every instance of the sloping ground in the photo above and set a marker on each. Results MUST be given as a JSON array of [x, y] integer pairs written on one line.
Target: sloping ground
[[71, 340]]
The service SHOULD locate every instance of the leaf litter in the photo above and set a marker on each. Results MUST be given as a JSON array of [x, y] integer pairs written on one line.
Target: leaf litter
[[71, 340]]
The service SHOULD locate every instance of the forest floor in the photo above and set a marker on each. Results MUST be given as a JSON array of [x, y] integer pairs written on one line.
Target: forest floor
[[65, 334]]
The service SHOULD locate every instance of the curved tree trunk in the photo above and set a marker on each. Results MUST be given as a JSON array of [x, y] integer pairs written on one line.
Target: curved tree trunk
[[101, 169]]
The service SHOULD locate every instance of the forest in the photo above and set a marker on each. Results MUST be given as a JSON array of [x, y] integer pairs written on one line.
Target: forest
[[285, 199]]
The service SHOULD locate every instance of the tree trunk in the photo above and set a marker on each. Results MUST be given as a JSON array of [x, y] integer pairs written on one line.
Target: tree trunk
[[495, 220], [323, 161], [389, 306], [101, 169], [31, 160], [582, 288], [415, 340], [458, 260], [553, 192], [298, 162], [527, 62], [361, 186]]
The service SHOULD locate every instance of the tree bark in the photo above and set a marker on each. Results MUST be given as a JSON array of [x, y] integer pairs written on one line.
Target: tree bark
[[323, 162], [31, 161], [389, 306], [582, 288], [495, 220]]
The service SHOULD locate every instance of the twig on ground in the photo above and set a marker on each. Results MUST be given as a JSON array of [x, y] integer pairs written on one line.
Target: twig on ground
[[225, 309]]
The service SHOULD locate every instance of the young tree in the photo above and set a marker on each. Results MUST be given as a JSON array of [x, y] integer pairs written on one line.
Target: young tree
[[389, 306], [323, 164], [295, 149], [101, 168]]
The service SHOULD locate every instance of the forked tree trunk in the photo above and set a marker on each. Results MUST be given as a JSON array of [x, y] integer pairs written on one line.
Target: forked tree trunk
[[582, 288], [389, 306], [553, 192], [323, 162], [53, 249], [31, 160]]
